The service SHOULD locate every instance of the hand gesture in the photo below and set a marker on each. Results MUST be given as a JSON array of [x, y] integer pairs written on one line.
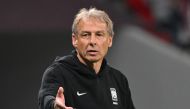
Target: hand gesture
[[60, 100]]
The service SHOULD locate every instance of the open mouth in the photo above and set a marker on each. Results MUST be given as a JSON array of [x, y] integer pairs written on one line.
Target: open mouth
[[92, 52]]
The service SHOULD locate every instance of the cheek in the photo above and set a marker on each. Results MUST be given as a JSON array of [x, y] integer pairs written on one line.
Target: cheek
[[82, 45], [105, 47]]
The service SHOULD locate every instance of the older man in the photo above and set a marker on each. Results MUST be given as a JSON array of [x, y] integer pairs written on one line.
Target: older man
[[83, 79]]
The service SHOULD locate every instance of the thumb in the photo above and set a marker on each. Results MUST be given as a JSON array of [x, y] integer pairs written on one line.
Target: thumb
[[60, 99], [60, 92]]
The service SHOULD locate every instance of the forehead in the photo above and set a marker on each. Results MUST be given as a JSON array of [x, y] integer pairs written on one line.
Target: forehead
[[92, 24]]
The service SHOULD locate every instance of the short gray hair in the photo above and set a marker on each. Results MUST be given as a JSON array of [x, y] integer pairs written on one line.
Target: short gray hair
[[93, 13]]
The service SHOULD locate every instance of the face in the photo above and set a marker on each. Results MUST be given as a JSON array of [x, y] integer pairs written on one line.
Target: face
[[92, 40]]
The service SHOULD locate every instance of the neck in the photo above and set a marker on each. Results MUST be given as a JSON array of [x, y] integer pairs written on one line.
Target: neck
[[94, 65]]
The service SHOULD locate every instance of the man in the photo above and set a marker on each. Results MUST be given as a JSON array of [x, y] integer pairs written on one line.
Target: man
[[84, 80]]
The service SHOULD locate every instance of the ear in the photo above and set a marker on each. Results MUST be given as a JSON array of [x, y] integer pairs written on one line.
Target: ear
[[110, 41], [74, 40]]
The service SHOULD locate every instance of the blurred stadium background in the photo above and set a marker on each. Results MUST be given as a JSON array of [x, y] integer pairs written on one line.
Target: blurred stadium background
[[151, 47]]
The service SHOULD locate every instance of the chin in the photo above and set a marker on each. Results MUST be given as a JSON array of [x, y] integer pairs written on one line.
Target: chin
[[93, 59]]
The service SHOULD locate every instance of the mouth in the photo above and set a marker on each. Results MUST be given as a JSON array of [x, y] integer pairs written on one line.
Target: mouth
[[92, 52]]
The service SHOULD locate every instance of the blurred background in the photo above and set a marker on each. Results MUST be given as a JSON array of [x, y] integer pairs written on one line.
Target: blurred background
[[151, 47]]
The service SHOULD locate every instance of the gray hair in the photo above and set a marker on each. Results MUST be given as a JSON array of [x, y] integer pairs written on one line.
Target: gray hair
[[93, 13]]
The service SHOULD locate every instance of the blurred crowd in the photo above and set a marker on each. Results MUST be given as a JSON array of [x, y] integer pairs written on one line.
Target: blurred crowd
[[169, 20]]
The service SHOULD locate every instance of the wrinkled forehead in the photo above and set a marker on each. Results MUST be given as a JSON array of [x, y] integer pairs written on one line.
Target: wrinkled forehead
[[91, 25], [93, 21]]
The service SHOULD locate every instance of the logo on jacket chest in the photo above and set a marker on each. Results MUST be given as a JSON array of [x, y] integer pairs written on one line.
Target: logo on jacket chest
[[81, 93], [114, 96]]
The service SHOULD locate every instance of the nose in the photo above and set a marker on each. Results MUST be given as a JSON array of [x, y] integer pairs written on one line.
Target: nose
[[93, 40]]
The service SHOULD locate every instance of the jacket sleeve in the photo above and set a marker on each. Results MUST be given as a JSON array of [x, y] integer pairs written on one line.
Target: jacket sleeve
[[128, 99], [51, 81]]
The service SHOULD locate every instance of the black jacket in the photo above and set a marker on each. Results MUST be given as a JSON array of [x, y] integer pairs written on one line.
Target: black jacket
[[83, 88]]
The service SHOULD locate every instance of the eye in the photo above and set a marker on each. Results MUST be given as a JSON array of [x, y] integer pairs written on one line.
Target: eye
[[85, 35], [100, 34]]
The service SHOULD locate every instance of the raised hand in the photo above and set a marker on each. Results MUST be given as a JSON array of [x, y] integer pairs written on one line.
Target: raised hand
[[60, 100]]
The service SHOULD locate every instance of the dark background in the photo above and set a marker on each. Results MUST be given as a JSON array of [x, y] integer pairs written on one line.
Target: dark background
[[32, 34], [24, 57]]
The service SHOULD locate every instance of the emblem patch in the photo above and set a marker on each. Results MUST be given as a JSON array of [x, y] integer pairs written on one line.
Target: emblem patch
[[114, 96]]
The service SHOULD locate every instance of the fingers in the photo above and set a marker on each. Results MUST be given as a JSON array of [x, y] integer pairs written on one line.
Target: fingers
[[68, 108]]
